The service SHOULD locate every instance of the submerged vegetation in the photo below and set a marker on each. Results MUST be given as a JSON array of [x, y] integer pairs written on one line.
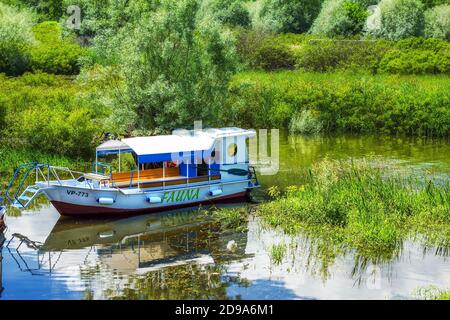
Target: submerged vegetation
[[432, 293], [360, 206]]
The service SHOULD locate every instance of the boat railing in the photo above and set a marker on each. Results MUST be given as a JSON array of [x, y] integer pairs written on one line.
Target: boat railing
[[43, 173], [100, 168]]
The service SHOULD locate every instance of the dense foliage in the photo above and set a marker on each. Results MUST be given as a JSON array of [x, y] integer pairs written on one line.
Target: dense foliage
[[49, 113], [340, 18], [290, 15], [231, 12], [437, 22], [351, 204], [401, 19], [342, 102], [15, 39], [175, 69], [54, 54]]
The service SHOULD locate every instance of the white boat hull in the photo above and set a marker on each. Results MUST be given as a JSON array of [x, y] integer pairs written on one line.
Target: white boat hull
[[76, 201]]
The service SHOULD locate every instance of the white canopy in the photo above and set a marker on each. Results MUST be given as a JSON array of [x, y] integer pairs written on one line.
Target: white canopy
[[183, 141], [169, 144], [112, 145]]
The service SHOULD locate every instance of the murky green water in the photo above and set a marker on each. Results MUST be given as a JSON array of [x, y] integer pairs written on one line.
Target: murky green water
[[183, 255]]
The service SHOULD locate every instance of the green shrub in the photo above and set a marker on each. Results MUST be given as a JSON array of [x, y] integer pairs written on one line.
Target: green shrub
[[322, 55], [44, 9], [273, 55], [49, 113], [340, 18], [414, 105], [53, 54], [248, 41], [437, 22], [294, 16], [434, 3], [401, 19], [417, 56], [307, 122], [15, 39], [232, 13]]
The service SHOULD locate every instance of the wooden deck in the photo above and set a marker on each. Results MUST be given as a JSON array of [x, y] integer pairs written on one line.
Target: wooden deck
[[152, 178]]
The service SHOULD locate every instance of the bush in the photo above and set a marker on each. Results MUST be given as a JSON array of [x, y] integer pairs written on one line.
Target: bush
[[417, 56], [434, 3], [53, 54], [294, 16], [415, 105], [340, 18], [307, 122], [44, 9], [401, 19], [325, 54], [273, 55], [437, 22], [15, 39], [47, 113], [232, 13]]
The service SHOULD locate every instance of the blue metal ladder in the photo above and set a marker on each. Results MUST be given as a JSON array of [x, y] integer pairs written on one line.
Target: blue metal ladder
[[22, 199]]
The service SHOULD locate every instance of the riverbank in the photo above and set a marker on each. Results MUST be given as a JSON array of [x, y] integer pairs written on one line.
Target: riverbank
[[309, 102], [363, 206]]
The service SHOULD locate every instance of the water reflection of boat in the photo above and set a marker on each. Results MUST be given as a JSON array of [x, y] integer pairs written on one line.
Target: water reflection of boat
[[2, 240], [143, 243]]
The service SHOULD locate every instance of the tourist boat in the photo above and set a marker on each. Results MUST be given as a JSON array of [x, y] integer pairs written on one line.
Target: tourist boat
[[184, 169]]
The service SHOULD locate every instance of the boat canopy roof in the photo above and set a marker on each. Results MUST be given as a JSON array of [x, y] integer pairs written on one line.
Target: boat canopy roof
[[112, 147], [161, 148]]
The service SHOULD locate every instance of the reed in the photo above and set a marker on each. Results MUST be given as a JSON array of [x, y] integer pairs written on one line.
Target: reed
[[362, 206], [277, 253]]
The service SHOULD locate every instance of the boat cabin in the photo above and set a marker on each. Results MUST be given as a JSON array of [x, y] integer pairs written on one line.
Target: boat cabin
[[184, 157]]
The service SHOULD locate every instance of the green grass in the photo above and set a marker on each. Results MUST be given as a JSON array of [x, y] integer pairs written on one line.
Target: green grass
[[277, 253], [353, 205], [432, 293], [343, 102]]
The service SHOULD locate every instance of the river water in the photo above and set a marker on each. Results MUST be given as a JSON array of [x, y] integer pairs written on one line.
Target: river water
[[182, 254]]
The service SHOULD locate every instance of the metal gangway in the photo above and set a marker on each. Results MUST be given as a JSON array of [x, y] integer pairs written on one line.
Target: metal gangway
[[24, 194]]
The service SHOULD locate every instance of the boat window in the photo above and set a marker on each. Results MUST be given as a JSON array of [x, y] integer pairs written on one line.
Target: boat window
[[153, 165], [232, 149], [202, 169]]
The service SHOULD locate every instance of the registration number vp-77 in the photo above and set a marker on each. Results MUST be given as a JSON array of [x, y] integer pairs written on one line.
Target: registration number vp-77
[[78, 193]]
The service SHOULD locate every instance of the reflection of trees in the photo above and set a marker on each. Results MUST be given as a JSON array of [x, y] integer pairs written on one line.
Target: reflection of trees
[[167, 253], [298, 152], [188, 281]]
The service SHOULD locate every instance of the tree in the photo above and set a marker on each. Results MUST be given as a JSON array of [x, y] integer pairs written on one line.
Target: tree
[[340, 18], [437, 22], [294, 16], [401, 19], [16, 37], [231, 12], [175, 70]]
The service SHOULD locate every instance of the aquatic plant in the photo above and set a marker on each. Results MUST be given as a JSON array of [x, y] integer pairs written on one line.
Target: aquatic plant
[[277, 253], [432, 293], [230, 218], [363, 208]]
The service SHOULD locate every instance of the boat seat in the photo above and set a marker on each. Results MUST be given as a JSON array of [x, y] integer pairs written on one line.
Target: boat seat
[[159, 182]]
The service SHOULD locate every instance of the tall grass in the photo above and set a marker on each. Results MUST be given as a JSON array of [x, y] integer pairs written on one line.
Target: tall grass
[[363, 208], [342, 102]]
